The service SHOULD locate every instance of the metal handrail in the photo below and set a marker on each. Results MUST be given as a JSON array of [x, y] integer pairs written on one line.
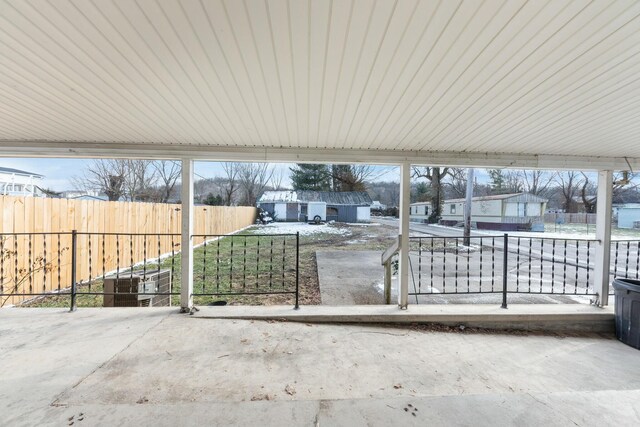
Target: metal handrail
[[391, 250], [387, 256]]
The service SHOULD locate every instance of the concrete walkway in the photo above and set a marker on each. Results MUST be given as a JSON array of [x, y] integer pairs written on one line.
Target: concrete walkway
[[356, 277], [350, 277], [157, 367]]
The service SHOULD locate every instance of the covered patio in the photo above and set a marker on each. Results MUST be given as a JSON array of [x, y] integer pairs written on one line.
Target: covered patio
[[150, 367], [516, 84]]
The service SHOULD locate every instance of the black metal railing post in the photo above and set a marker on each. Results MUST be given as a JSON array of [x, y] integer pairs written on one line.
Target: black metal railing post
[[505, 257], [74, 254], [297, 270]]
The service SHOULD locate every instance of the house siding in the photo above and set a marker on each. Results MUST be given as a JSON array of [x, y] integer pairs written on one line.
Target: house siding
[[627, 216], [505, 213]]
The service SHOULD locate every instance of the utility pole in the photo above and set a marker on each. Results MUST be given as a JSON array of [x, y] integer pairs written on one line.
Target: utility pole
[[467, 208]]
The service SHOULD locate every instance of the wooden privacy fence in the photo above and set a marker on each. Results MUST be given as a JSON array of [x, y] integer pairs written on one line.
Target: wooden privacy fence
[[38, 215], [110, 235], [570, 218]]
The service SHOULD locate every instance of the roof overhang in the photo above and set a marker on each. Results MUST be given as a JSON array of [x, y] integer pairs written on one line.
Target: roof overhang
[[495, 83], [311, 155]]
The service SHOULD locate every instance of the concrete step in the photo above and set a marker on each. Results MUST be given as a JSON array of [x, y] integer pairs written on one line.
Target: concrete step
[[526, 317]]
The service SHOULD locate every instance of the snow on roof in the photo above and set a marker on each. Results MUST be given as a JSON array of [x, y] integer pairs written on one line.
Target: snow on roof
[[279, 196]]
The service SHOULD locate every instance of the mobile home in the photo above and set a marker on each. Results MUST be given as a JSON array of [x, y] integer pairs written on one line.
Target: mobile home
[[419, 211], [505, 212]]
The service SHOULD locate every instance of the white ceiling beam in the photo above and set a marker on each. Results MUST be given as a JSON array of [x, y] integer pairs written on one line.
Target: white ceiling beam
[[62, 149]]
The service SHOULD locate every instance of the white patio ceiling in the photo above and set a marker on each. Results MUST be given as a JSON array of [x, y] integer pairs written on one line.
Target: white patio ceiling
[[504, 82]]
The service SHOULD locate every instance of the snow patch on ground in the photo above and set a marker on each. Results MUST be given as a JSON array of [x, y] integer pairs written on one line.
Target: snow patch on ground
[[300, 227], [355, 241], [565, 232]]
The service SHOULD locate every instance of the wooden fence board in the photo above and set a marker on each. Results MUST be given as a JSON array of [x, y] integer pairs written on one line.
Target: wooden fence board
[[36, 215]]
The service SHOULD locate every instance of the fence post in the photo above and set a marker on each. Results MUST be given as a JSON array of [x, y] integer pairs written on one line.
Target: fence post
[[505, 257], [297, 270], [74, 254]]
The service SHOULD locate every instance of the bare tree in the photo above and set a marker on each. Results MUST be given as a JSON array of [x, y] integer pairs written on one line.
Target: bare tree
[[505, 181], [105, 175], [200, 188], [168, 173], [361, 172], [569, 183], [537, 182], [253, 179], [277, 178], [140, 180], [456, 183], [514, 181], [230, 186], [435, 175], [350, 177], [622, 181]]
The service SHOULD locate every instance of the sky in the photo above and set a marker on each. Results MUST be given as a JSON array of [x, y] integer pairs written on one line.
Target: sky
[[58, 173]]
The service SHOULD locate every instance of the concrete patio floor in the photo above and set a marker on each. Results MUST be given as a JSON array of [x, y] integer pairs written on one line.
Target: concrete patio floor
[[158, 367]]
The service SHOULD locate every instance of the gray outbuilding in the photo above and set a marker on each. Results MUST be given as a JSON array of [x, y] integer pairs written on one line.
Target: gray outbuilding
[[291, 205]]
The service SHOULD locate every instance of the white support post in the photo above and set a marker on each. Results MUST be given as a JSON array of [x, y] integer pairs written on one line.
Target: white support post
[[186, 259], [603, 235], [404, 268]]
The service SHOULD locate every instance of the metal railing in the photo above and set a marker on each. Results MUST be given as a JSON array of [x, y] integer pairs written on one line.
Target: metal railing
[[513, 265], [120, 266], [32, 264], [626, 258], [123, 269], [254, 264]]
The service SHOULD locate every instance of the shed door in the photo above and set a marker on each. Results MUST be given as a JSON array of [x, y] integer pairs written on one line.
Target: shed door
[[347, 214], [292, 212], [363, 213], [280, 211]]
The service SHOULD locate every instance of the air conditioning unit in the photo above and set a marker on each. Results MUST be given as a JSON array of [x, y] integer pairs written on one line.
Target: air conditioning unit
[[137, 289]]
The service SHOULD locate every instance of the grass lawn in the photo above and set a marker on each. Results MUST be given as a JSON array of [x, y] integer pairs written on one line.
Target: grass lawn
[[258, 265]]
